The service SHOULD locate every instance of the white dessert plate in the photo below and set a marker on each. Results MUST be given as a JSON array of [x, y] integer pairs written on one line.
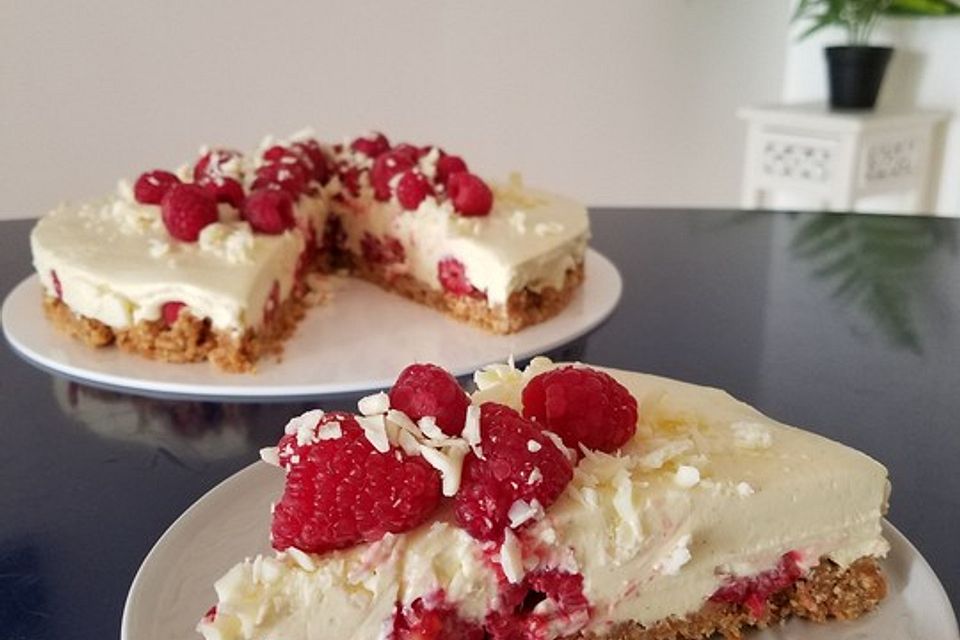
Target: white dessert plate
[[358, 340], [174, 586]]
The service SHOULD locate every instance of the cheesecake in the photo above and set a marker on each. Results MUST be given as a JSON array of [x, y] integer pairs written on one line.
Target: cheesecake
[[557, 501], [219, 259]]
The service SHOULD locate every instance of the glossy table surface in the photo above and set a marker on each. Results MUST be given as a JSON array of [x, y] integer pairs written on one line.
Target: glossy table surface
[[848, 325]]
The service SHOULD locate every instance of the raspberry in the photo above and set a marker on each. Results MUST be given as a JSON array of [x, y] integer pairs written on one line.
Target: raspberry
[[213, 164], [428, 390], [311, 149], [519, 620], [170, 311], [151, 186], [289, 177], [582, 406], [489, 486], [412, 189], [186, 209], [433, 621], [447, 166], [57, 286], [387, 251], [281, 155], [371, 145], [453, 277], [350, 178], [278, 152], [224, 190], [407, 152], [385, 167], [341, 492], [470, 195], [269, 211], [754, 591]]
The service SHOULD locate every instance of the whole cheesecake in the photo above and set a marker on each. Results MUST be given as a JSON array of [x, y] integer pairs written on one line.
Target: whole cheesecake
[[562, 501], [215, 261]]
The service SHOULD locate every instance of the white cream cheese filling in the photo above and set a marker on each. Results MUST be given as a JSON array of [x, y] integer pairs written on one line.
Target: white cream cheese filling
[[116, 263], [529, 241]]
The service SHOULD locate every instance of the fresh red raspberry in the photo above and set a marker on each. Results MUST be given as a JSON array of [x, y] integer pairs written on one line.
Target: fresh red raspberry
[[269, 211], [371, 145], [470, 195], [428, 390], [341, 492], [433, 621], [386, 251], [225, 190], [281, 155], [186, 209], [312, 150], [490, 485], [385, 167], [412, 189], [151, 186], [278, 152], [211, 164], [518, 620], [350, 179], [292, 178], [170, 311], [408, 152], [453, 278], [582, 406], [754, 591], [447, 166]]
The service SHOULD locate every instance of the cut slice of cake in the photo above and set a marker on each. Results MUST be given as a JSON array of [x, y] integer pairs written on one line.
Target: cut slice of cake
[[562, 501], [214, 261]]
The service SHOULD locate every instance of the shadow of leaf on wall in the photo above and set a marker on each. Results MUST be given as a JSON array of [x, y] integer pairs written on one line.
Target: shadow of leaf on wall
[[875, 263]]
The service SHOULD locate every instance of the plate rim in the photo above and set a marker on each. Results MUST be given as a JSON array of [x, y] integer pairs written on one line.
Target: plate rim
[[254, 393], [252, 472]]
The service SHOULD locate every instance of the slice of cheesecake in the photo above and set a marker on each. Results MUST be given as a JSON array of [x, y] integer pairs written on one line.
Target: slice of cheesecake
[[568, 502]]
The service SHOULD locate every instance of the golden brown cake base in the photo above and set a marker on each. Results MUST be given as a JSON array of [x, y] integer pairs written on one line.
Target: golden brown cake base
[[189, 339], [829, 592], [523, 308]]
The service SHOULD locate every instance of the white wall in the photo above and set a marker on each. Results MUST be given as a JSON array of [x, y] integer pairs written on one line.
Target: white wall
[[619, 102], [924, 72]]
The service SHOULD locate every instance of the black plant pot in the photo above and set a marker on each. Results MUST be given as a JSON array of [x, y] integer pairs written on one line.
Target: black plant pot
[[855, 75]]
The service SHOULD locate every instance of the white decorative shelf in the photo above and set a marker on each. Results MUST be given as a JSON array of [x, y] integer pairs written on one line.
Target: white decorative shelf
[[838, 157]]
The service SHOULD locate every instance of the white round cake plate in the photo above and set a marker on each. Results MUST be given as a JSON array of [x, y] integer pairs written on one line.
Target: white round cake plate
[[358, 340], [174, 586]]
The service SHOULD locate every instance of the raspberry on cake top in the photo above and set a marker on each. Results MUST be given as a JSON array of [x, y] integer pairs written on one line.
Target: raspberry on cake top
[[557, 501], [224, 247]]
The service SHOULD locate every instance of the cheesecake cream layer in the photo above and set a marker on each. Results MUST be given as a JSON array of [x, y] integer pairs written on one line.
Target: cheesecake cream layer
[[116, 263], [709, 489], [529, 240]]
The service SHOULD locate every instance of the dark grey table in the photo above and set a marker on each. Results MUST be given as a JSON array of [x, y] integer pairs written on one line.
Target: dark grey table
[[847, 325]]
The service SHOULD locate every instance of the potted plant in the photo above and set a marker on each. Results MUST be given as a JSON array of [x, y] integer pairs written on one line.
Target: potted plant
[[856, 70]]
